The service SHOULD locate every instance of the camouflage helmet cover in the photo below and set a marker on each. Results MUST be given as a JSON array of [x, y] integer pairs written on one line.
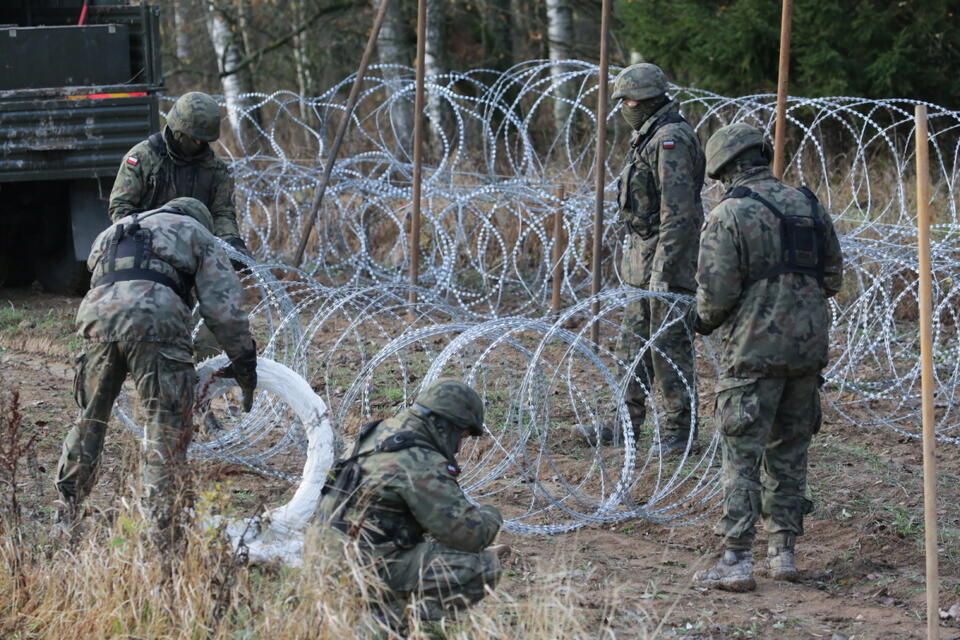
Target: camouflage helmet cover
[[455, 401], [640, 82], [192, 208], [729, 142], [197, 115]]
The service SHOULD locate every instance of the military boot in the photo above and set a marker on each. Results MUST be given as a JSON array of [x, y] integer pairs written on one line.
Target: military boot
[[674, 445], [69, 515], [733, 572], [596, 433], [780, 563]]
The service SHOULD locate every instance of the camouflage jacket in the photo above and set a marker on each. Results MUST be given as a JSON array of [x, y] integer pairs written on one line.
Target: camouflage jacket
[[144, 311], [659, 198], [152, 174], [772, 327], [406, 494]]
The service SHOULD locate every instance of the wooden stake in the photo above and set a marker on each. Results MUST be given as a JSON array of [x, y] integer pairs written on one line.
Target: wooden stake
[[782, 83], [417, 149], [600, 175], [926, 373], [558, 250], [341, 130]]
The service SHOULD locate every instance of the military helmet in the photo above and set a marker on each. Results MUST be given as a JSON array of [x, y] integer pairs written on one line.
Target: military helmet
[[729, 142], [455, 401], [640, 82], [193, 208], [197, 115]]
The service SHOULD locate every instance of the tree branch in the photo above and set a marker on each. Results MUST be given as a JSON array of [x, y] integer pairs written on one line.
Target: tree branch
[[250, 58]]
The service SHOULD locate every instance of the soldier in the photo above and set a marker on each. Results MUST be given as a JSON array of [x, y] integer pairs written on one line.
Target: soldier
[[769, 260], [399, 484], [179, 162], [660, 207], [135, 319]]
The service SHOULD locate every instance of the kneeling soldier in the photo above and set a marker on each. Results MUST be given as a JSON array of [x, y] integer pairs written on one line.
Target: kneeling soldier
[[399, 485], [136, 320]]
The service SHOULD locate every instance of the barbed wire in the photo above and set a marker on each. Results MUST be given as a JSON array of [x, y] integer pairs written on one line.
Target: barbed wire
[[496, 162]]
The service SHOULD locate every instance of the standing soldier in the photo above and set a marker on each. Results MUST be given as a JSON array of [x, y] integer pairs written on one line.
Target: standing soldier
[[135, 319], [660, 207], [399, 484], [178, 162], [769, 259]]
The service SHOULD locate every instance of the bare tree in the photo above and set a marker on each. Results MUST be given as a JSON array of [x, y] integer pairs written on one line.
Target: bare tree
[[235, 76], [560, 36], [181, 21], [435, 66]]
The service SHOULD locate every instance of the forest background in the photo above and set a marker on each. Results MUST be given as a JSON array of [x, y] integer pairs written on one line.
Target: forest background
[[865, 48]]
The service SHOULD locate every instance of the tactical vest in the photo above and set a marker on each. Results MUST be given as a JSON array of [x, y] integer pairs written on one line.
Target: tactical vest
[[135, 241], [172, 180], [802, 238], [346, 476], [637, 193]]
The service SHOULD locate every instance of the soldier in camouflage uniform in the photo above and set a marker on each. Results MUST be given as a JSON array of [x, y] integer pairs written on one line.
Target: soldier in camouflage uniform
[[178, 162], [400, 485], [135, 320], [660, 207], [769, 260]]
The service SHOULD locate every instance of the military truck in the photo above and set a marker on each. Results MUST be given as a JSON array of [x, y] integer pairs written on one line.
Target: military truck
[[78, 87]]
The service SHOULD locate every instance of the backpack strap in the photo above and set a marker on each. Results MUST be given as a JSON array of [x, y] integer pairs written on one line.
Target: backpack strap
[[157, 144], [665, 119]]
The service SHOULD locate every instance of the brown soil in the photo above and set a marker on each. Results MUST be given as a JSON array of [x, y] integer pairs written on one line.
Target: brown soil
[[861, 557]]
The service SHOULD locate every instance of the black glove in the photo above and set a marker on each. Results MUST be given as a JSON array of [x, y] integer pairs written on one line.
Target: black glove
[[243, 369], [241, 246]]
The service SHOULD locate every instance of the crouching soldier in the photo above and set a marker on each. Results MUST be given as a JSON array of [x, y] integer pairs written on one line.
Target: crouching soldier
[[400, 485], [147, 269], [769, 260]]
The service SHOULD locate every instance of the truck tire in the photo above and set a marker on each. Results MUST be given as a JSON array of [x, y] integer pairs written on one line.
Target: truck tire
[[62, 273]]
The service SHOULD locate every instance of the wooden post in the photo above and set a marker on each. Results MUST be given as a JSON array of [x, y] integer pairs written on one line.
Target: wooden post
[[417, 149], [341, 130], [600, 176], [779, 163], [926, 373], [558, 250]]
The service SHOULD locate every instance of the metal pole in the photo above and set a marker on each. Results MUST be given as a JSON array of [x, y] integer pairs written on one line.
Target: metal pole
[[926, 373], [600, 172], [783, 81], [558, 250], [341, 130], [417, 149]]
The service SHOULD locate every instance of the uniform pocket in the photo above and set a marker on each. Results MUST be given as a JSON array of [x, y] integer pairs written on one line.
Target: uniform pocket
[[737, 409], [79, 381]]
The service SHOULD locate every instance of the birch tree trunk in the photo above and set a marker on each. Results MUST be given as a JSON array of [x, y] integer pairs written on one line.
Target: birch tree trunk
[[560, 38], [229, 50], [301, 61], [434, 67], [180, 22], [393, 47]]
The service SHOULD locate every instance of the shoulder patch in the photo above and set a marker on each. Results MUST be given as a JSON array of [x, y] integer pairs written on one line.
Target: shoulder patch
[[453, 470], [669, 144], [132, 160]]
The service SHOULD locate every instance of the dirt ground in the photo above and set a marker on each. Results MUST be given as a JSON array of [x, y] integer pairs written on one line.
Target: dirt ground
[[861, 556]]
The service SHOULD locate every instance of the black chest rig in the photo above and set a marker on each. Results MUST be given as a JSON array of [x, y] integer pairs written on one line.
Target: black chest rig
[[637, 193], [175, 180], [802, 238], [135, 241], [346, 476]]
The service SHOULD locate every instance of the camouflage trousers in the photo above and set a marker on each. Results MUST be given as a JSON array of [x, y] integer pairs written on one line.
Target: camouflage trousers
[[667, 363], [766, 428], [441, 580], [165, 379]]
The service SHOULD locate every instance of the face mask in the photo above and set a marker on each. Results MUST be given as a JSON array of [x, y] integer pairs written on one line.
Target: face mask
[[640, 112], [188, 144]]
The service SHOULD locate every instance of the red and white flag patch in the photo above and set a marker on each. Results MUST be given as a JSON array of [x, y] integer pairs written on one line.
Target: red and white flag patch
[[453, 470], [669, 144], [132, 160]]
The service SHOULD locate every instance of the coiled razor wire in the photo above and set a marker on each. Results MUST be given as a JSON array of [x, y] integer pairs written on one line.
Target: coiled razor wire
[[496, 160]]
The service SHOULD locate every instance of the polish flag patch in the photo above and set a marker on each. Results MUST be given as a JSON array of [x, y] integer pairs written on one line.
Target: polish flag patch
[[132, 161], [452, 470], [669, 144]]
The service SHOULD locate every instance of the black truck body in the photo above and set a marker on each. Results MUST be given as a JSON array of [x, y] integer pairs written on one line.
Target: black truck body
[[73, 99]]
